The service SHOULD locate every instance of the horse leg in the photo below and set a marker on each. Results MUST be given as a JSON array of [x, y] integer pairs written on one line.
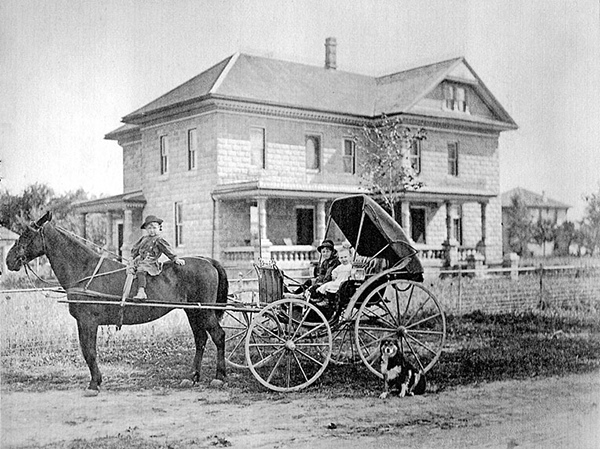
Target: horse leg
[[218, 337], [88, 333], [200, 338]]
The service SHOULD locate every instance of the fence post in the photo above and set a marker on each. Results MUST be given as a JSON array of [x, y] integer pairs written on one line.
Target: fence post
[[459, 288], [542, 304]]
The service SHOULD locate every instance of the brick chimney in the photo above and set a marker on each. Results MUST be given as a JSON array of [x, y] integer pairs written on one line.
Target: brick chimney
[[330, 53]]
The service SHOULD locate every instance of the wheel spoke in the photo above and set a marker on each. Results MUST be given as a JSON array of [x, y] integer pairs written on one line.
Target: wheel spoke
[[275, 366], [300, 366], [424, 320], [371, 314], [418, 310], [420, 343], [309, 357], [270, 332], [425, 332], [415, 355]]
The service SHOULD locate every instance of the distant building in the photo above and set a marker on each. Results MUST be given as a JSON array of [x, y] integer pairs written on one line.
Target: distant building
[[540, 208], [250, 153], [7, 240]]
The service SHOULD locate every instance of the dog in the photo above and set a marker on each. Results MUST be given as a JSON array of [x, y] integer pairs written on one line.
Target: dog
[[399, 376]]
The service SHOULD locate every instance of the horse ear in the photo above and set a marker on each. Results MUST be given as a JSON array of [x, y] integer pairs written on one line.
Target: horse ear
[[45, 218]]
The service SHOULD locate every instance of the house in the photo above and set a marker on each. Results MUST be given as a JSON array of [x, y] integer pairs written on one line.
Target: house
[[540, 207], [244, 159], [7, 240]]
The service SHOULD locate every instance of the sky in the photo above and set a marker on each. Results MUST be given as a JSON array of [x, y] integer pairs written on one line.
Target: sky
[[71, 69]]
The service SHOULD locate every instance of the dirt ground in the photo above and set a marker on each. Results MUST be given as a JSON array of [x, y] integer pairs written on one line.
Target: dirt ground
[[537, 413]]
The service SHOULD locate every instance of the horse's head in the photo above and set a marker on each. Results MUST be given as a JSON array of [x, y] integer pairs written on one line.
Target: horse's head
[[29, 246]]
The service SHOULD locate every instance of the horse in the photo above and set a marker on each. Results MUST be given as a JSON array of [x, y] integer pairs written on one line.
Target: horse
[[88, 277]]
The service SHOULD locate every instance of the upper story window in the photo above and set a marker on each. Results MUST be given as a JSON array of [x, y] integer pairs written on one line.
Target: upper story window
[[455, 98], [164, 154], [453, 158], [258, 147], [349, 156], [192, 146], [178, 220], [313, 152], [415, 156]]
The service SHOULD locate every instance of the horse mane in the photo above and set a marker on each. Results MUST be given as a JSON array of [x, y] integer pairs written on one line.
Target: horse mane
[[79, 242]]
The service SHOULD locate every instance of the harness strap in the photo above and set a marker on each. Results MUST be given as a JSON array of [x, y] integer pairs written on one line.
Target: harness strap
[[126, 290], [102, 257]]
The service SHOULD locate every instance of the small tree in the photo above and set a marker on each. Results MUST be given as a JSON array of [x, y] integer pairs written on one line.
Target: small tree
[[565, 236], [519, 227], [590, 225], [386, 168], [544, 231]]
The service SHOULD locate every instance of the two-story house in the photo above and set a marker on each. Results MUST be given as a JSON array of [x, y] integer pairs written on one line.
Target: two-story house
[[244, 159], [539, 207]]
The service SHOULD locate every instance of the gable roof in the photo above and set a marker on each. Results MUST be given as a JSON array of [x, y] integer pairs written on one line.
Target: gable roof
[[532, 200], [269, 81]]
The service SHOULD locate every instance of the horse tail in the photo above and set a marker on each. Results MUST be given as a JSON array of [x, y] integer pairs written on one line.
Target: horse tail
[[223, 288]]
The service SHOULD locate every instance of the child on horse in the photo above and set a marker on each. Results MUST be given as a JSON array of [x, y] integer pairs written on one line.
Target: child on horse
[[146, 252]]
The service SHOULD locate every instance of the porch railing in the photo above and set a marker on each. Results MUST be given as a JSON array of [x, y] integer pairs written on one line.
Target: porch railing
[[281, 253]]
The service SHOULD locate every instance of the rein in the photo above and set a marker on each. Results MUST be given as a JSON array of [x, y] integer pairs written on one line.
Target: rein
[[95, 273]]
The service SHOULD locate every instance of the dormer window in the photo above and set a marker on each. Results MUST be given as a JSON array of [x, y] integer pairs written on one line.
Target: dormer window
[[455, 98]]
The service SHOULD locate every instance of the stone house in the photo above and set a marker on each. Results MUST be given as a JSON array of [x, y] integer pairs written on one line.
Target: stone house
[[244, 159], [7, 240], [540, 207]]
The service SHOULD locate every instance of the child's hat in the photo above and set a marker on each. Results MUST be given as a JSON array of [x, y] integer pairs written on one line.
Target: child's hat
[[326, 244], [151, 219]]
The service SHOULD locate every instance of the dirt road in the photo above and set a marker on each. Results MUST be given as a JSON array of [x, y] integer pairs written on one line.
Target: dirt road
[[537, 413]]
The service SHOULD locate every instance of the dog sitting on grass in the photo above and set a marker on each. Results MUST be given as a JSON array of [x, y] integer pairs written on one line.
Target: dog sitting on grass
[[399, 376]]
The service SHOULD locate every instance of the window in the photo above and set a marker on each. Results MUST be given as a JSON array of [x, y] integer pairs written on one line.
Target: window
[[455, 98], [178, 224], [453, 158], [418, 224], [192, 145], [349, 156], [458, 232], [164, 152], [313, 152], [257, 143], [415, 156]]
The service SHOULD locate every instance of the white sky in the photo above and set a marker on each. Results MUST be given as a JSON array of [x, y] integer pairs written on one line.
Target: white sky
[[70, 69]]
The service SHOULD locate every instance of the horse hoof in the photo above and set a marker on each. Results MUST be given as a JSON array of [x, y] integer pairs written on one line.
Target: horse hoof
[[186, 383], [89, 393], [216, 383]]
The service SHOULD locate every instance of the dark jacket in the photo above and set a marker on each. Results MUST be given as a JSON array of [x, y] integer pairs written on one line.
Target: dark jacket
[[146, 252], [323, 271]]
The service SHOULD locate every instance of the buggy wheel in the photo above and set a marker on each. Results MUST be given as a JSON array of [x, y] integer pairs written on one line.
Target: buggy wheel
[[407, 312], [344, 350], [235, 324], [282, 351]]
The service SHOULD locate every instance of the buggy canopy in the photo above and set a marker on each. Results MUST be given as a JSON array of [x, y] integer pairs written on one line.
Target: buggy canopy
[[372, 231]]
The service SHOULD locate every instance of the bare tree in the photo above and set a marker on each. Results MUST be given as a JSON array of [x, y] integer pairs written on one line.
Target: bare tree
[[387, 168]]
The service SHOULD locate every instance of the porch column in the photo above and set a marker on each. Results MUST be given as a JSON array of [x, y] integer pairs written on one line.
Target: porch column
[[320, 221], [481, 245], [109, 232], [216, 241], [450, 245], [81, 225], [127, 234], [264, 244], [405, 212]]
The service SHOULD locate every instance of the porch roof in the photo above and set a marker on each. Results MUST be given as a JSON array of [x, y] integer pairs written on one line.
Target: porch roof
[[130, 200], [262, 189], [455, 194]]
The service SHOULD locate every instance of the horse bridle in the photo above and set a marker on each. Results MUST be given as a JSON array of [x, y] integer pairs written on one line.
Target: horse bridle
[[39, 229]]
